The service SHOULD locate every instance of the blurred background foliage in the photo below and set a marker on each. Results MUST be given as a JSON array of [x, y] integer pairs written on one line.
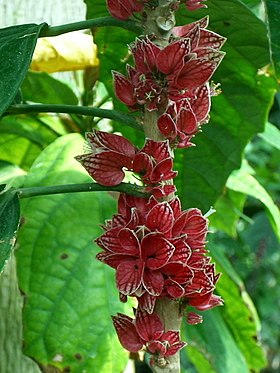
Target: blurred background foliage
[[234, 167]]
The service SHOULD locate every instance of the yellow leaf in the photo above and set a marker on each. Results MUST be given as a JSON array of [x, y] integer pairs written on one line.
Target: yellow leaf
[[67, 52]]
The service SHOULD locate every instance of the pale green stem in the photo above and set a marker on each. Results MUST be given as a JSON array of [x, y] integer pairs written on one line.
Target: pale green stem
[[73, 109], [88, 24], [127, 188]]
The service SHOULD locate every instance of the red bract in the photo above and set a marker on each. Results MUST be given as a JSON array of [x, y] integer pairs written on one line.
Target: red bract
[[195, 4], [110, 154], [147, 330], [170, 73], [158, 250], [123, 9]]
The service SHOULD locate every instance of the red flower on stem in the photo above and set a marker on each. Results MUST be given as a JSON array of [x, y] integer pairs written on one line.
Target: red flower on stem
[[146, 330], [163, 74], [111, 154], [123, 9], [159, 250]]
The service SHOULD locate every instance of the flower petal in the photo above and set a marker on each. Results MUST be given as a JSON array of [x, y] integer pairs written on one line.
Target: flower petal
[[129, 275], [148, 326], [127, 333], [153, 282], [124, 89], [129, 242], [160, 218], [156, 250], [171, 58], [147, 302], [195, 73]]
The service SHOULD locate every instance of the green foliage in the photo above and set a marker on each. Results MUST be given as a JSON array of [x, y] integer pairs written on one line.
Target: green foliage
[[273, 19], [9, 220], [63, 283], [41, 87], [69, 296], [12, 359], [17, 44]]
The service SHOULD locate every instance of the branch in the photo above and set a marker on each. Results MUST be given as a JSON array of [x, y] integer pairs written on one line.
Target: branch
[[73, 109], [90, 23], [127, 188]]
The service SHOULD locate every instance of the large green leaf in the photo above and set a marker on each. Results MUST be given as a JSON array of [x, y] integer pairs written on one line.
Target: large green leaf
[[12, 359], [17, 44], [43, 88], [273, 20], [70, 296], [9, 220]]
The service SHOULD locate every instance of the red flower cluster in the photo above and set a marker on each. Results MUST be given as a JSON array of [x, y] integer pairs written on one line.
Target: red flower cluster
[[111, 153], [174, 79], [123, 9], [159, 250], [147, 330]]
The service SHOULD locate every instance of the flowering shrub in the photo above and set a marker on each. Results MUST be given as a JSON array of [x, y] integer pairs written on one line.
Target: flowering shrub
[[158, 250], [154, 271]]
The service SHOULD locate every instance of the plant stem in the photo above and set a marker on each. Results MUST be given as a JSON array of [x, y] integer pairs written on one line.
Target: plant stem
[[127, 188], [90, 23], [160, 22], [73, 109]]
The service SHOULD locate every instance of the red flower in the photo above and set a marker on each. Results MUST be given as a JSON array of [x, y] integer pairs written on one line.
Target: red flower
[[109, 155], [159, 250], [154, 162], [146, 330], [123, 9], [171, 73]]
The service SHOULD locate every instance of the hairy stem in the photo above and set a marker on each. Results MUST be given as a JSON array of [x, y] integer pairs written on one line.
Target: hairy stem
[[127, 188], [90, 23], [73, 109]]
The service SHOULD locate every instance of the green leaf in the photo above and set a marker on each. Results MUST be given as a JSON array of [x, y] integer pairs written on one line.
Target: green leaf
[[9, 220], [18, 150], [70, 295], [11, 174], [228, 338], [238, 113], [12, 359], [29, 127], [211, 346], [17, 44], [273, 19], [271, 135], [43, 88], [229, 205], [239, 312], [242, 181]]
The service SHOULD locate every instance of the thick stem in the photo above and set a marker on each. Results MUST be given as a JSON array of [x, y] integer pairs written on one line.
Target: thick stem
[[73, 109], [160, 22], [169, 312], [127, 188], [90, 23]]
